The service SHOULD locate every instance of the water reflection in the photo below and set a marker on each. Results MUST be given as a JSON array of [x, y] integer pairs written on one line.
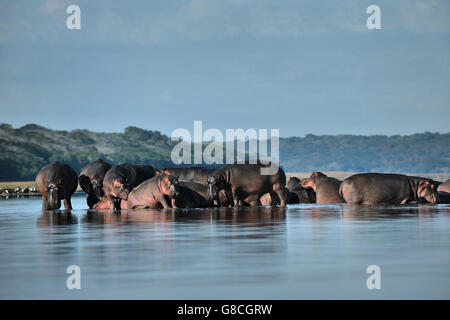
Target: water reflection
[[56, 218], [360, 212], [243, 216], [303, 251]]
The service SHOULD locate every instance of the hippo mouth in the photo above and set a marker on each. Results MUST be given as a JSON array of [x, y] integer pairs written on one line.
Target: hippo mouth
[[433, 199], [124, 194], [98, 188], [52, 202], [174, 192], [213, 193]]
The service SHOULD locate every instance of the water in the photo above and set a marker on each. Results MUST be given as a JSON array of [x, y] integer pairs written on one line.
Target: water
[[302, 252]]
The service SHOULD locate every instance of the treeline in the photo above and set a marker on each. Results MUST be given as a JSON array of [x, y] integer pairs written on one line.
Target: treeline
[[417, 153], [23, 151]]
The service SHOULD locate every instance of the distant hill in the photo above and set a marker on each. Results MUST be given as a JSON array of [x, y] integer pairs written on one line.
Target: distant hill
[[23, 151], [421, 152]]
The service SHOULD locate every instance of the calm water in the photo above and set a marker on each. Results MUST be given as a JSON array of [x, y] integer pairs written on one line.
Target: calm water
[[302, 252]]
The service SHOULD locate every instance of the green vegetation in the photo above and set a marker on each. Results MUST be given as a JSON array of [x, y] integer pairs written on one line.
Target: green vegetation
[[23, 151], [422, 152]]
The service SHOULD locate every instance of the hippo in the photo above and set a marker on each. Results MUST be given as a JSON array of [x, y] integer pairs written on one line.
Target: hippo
[[252, 200], [104, 204], [444, 186], [293, 184], [191, 194], [299, 194], [444, 192], [189, 173], [152, 193], [382, 188], [121, 179], [222, 201], [326, 188], [91, 181], [241, 180], [56, 181]]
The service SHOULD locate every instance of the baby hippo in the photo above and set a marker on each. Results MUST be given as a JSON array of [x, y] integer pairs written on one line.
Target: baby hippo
[[152, 193]]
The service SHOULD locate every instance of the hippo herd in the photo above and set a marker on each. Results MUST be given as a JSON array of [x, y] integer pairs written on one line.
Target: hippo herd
[[130, 186]]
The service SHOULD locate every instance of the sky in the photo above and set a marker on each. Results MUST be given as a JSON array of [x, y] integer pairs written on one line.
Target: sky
[[298, 66]]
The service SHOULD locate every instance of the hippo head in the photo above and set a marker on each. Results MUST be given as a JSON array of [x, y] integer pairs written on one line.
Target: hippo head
[[93, 188], [308, 183], [294, 180], [316, 175], [170, 186], [55, 195], [215, 184], [122, 188], [427, 189], [97, 186]]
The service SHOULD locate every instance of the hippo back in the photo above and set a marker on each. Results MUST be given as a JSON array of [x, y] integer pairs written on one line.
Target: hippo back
[[58, 173]]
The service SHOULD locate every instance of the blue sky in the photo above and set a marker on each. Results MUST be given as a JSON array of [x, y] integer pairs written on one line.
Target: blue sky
[[299, 66]]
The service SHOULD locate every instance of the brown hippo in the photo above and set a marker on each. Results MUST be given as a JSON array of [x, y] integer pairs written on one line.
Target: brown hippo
[[189, 173], [200, 199], [121, 179], [444, 192], [191, 194], [56, 182], [152, 193], [326, 188], [444, 186], [381, 188], [241, 180], [299, 194], [91, 181], [293, 184]]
